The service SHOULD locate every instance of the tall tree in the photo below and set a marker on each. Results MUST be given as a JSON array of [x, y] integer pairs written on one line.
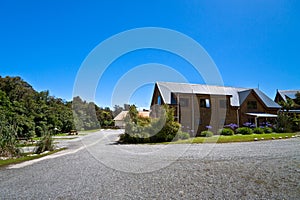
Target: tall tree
[[297, 99], [287, 105]]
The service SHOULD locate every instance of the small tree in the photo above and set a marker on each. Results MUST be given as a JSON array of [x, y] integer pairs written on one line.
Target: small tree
[[46, 143], [133, 114], [284, 123], [8, 140], [287, 105], [160, 129], [297, 100]]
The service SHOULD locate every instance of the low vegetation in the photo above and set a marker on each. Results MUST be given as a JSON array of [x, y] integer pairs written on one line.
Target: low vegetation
[[226, 131], [244, 131], [206, 134], [45, 144], [25, 157], [161, 128], [8, 142], [234, 138]]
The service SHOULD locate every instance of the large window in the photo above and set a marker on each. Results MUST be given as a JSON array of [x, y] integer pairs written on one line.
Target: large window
[[204, 103], [252, 105]]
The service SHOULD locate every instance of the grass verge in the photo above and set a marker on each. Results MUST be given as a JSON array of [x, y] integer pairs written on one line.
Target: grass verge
[[234, 138], [25, 157], [64, 138]]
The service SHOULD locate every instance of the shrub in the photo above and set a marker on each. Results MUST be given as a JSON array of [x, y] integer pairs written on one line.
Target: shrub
[[226, 131], [258, 130], [143, 130], [182, 135], [206, 134], [284, 123], [268, 130], [249, 125], [231, 126], [45, 144], [8, 142], [244, 131]]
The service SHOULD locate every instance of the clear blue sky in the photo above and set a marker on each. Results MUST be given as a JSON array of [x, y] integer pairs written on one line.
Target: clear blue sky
[[252, 42]]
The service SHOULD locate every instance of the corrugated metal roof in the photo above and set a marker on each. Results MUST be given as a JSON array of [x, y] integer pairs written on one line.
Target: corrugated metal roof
[[238, 95], [288, 93], [166, 88], [267, 115], [243, 95], [267, 101]]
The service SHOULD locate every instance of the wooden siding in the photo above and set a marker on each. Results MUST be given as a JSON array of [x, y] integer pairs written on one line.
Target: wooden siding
[[195, 118]]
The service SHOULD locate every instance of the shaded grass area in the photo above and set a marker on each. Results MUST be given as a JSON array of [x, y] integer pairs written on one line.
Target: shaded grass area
[[26, 157], [65, 138], [26, 145], [234, 138], [80, 133]]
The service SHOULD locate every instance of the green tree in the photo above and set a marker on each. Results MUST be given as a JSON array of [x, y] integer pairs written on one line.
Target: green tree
[[117, 110], [160, 129], [287, 105], [297, 99]]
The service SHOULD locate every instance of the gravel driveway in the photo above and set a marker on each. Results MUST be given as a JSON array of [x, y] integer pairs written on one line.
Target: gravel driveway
[[95, 168]]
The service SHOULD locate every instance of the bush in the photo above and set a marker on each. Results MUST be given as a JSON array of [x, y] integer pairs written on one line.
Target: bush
[[182, 136], [244, 131], [206, 134], [268, 130], [284, 123], [45, 144], [231, 126], [258, 130], [144, 130], [8, 142], [226, 131]]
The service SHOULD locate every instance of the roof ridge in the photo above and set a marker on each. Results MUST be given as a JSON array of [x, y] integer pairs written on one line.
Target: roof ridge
[[291, 90], [195, 84]]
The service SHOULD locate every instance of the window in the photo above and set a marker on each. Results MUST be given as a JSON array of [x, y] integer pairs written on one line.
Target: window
[[184, 102], [204, 103], [223, 103], [173, 99], [159, 100], [252, 105]]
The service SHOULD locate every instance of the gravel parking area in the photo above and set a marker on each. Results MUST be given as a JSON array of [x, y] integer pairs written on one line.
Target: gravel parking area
[[255, 170]]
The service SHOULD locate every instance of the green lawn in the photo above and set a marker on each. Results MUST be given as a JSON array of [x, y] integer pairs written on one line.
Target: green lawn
[[234, 138], [25, 157]]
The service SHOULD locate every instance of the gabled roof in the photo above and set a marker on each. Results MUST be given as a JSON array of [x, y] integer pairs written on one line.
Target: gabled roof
[[166, 88], [238, 95], [121, 116], [288, 93], [243, 95], [267, 101]]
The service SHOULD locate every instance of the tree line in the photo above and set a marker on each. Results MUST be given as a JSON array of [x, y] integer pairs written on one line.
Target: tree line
[[29, 112]]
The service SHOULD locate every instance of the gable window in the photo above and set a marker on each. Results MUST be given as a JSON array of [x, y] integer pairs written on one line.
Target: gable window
[[223, 103], [252, 105], [159, 100], [184, 102], [204, 103]]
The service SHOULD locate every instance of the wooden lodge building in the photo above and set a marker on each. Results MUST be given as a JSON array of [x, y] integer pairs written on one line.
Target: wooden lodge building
[[198, 107], [284, 95]]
